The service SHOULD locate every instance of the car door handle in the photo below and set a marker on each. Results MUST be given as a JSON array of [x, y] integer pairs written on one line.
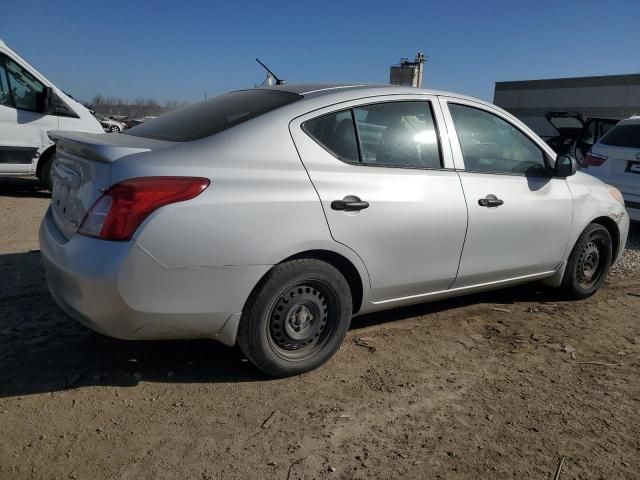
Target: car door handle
[[490, 201], [350, 203]]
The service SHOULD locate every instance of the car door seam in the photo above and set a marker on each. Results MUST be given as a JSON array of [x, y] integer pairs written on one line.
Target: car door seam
[[464, 196]]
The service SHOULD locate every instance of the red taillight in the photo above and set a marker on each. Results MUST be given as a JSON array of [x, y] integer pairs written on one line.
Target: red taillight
[[122, 208], [594, 160]]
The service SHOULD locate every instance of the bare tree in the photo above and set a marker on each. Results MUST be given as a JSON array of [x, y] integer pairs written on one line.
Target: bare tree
[[140, 107]]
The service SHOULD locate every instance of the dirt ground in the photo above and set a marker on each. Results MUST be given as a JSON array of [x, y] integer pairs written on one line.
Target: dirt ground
[[498, 385]]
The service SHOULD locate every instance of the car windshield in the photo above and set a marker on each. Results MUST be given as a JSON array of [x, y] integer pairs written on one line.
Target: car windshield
[[212, 116]]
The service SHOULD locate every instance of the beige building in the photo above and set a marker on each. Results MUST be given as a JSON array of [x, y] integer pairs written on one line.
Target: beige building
[[610, 96], [408, 73]]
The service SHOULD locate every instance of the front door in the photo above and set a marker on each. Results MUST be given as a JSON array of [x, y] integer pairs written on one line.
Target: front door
[[388, 190], [519, 214]]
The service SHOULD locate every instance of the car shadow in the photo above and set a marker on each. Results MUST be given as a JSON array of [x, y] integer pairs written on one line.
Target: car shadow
[[43, 350], [22, 187]]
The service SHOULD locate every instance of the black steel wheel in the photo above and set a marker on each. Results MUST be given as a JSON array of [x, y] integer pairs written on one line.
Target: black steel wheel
[[589, 262], [296, 319], [302, 319]]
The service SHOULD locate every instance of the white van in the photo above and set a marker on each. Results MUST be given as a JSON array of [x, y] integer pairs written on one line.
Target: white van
[[30, 105]]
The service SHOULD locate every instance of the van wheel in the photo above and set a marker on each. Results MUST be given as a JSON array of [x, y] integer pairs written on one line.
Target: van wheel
[[589, 262], [296, 318], [45, 176]]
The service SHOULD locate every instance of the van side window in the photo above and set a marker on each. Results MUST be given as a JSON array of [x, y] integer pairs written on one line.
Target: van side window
[[5, 95], [24, 87]]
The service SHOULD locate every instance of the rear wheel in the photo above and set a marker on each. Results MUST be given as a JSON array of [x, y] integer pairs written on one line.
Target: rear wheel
[[589, 262], [296, 319], [45, 172]]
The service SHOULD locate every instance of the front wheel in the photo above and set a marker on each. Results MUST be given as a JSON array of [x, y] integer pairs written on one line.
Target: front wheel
[[297, 317], [589, 262], [114, 129]]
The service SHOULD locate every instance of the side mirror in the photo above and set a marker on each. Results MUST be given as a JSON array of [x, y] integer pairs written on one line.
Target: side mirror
[[45, 101], [566, 165]]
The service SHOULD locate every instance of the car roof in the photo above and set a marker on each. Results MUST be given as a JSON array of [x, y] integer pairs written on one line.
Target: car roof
[[322, 89], [316, 95], [634, 119]]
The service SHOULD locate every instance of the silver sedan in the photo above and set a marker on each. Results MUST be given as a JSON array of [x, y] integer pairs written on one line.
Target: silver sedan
[[269, 217]]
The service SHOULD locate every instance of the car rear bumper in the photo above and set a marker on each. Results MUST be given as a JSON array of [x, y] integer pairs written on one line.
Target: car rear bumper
[[632, 204], [120, 290]]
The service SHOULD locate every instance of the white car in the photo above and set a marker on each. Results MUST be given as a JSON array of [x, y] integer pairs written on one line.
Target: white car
[[615, 159], [30, 106], [109, 124]]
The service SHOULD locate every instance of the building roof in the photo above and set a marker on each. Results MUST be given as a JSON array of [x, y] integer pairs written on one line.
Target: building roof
[[571, 82]]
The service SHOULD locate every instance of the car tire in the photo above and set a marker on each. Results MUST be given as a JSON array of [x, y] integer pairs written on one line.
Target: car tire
[[114, 129], [296, 318], [46, 175], [589, 262]]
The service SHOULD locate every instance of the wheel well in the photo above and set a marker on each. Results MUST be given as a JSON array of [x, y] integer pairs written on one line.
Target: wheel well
[[344, 266], [44, 156], [612, 228]]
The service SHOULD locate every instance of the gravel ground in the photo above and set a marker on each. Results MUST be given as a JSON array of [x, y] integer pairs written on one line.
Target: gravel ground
[[630, 262], [501, 385]]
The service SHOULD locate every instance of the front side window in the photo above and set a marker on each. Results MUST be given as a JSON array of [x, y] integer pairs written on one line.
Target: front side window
[[25, 89], [396, 134], [491, 144]]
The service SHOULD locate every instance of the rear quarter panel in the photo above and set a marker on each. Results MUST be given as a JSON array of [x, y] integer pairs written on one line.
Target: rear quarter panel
[[259, 209]]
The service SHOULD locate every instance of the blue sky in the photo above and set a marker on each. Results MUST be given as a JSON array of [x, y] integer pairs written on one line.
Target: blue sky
[[172, 50]]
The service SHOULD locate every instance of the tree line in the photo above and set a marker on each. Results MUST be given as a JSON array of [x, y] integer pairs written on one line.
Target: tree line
[[140, 107]]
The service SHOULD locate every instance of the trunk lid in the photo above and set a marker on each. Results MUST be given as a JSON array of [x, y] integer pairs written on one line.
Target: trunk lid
[[82, 171], [568, 124]]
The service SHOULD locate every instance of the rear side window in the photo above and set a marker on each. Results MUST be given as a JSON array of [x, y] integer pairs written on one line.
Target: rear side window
[[336, 133], [623, 135], [394, 134], [212, 116]]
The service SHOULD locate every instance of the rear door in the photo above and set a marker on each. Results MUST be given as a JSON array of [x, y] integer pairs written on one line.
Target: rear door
[[388, 189], [519, 214]]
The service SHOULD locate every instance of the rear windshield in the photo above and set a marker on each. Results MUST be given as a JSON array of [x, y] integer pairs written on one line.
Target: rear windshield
[[212, 116], [622, 135]]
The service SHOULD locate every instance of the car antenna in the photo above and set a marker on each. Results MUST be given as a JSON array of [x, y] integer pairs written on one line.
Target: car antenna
[[279, 81]]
